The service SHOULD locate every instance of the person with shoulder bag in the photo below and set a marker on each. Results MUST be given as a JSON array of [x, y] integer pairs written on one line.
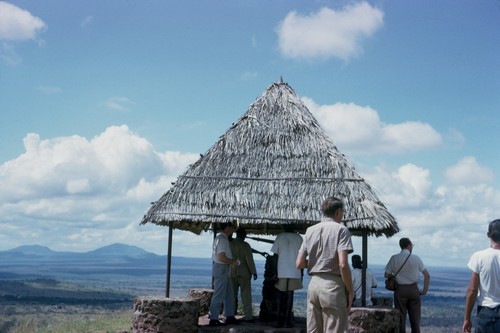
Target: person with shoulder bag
[[406, 269], [390, 281]]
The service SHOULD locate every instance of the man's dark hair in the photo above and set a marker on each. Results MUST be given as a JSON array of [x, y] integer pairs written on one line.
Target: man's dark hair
[[356, 261], [404, 242], [494, 230], [330, 206], [241, 233], [224, 225]]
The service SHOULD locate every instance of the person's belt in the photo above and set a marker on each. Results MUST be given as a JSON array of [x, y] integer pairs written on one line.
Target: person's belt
[[496, 308]]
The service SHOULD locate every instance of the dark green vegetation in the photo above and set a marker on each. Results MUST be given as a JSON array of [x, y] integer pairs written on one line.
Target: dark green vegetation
[[53, 292]]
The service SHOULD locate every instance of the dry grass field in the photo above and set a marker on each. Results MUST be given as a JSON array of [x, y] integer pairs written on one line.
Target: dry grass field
[[48, 305], [31, 318]]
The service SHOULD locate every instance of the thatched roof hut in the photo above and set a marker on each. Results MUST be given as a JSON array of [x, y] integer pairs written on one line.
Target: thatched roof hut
[[275, 165]]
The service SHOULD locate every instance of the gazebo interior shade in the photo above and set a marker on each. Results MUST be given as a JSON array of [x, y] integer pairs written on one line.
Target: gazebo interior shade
[[274, 166]]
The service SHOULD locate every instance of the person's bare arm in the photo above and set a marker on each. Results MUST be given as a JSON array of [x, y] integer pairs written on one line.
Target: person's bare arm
[[222, 257], [470, 299], [301, 261], [427, 280], [345, 272]]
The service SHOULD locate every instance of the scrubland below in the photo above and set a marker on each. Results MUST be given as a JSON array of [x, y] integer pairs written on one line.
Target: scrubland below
[[48, 305], [65, 319]]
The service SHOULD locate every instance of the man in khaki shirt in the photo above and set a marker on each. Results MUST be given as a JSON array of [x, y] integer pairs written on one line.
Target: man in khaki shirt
[[241, 273], [325, 254]]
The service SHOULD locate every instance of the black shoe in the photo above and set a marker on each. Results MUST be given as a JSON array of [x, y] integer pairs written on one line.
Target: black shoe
[[288, 325], [215, 322], [250, 321], [231, 320], [278, 325]]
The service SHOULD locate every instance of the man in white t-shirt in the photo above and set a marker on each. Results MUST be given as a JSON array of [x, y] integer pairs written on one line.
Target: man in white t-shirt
[[485, 285], [286, 246]]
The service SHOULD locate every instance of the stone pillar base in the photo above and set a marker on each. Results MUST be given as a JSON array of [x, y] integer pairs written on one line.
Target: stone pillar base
[[370, 319], [165, 315], [204, 296]]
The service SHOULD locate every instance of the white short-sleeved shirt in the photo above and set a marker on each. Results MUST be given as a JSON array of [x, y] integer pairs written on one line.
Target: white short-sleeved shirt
[[286, 246], [486, 263], [221, 244], [410, 273], [371, 282]]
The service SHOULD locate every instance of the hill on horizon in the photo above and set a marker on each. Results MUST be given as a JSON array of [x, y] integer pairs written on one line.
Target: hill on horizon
[[112, 249], [35, 261]]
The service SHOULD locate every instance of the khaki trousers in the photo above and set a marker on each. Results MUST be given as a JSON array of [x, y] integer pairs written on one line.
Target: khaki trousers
[[245, 286], [326, 304]]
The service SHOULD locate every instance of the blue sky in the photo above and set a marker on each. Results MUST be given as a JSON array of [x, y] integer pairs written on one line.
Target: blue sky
[[104, 103]]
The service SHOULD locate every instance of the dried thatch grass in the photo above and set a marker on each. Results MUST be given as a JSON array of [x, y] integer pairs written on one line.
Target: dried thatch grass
[[275, 165]]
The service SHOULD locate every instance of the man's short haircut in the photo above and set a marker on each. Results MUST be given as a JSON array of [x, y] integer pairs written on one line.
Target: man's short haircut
[[224, 225], [241, 233], [404, 242], [494, 230], [330, 206], [356, 261]]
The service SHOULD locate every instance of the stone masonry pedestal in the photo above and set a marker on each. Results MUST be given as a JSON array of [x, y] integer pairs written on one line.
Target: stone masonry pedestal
[[204, 296], [165, 315], [373, 319]]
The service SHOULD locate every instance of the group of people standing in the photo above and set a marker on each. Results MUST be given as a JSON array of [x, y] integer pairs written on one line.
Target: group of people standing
[[334, 288], [233, 268]]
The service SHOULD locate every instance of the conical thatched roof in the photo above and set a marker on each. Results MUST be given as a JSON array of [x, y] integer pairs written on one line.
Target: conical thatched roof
[[275, 165]]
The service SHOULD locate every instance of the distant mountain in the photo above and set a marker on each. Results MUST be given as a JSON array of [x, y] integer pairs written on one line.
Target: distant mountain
[[119, 249], [121, 259], [113, 250], [32, 250]]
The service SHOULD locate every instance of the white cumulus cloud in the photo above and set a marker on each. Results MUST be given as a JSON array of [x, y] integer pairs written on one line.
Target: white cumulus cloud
[[328, 33], [433, 213], [89, 188], [359, 129], [408, 186], [17, 24], [468, 171]]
